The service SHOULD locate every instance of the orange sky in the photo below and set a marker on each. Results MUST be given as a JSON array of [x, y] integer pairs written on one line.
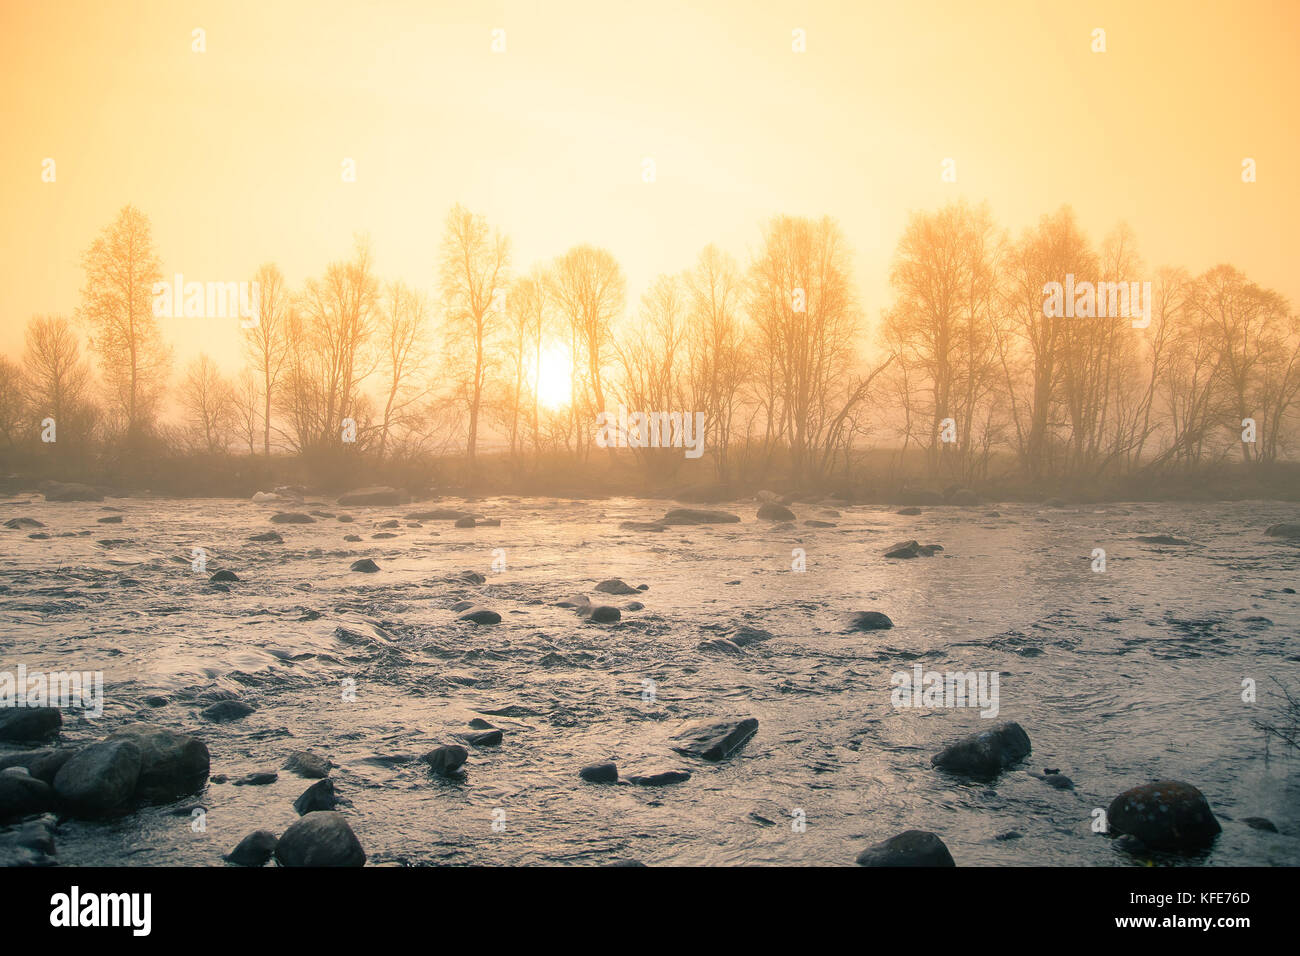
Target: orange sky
[[235, 153]]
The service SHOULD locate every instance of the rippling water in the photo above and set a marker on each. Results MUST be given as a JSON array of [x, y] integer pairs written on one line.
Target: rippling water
[[1119, 678]]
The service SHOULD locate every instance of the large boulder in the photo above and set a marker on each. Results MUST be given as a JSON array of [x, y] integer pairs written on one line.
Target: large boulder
[[321, 838], [22, 794], [29, 723], [986, 753], [31, 844], [171, 764], [910, 848], [714, 739], [100, 779], [1165, 815], [697, 516], [375, 495], [1284, 530]]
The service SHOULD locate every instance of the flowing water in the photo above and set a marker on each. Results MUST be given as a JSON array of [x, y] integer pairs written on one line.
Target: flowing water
[[1118, 677]]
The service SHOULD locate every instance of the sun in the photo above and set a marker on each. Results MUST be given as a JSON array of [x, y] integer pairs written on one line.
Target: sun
[[554, 377]]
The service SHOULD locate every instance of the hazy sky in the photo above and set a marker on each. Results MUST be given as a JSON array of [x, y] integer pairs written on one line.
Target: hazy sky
[[236, 153]]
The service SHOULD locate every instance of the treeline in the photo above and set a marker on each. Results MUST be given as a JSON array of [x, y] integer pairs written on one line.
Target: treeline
[[966, 378]]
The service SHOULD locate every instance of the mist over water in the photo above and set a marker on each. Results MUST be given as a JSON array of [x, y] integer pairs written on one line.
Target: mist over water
[[1119, 677]]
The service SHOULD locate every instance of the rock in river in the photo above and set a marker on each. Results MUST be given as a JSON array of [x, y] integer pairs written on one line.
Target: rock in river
[[870, 621], [171, 764], [254, 849], [365, 566], [615, 586], [446, 761], [771, 511], [307, 764], [697, 516], [911, 549], [22, 794], [224, 711], [375, 495], [910, 848], [1284, 530], [714, 739], [599, 773], [29, 723], [1165, 815], [985, 754], [292, 517], [480, 615], [99, 779], [319, 796], [322, 838]]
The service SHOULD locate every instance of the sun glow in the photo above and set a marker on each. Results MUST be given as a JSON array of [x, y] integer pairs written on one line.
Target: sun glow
[[554, 377]]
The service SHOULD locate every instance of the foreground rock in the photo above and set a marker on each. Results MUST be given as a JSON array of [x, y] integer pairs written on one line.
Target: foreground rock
[[30, 844], [480, 615], [375, 495], [771, 511], [21, 794], [714, 739], [172, 764], [321, 838], [680, 516], [987, 753], [100, 779], [29, 723], [1284, 530], [41, 764], [254, 849], [365, 566], [910, 848], [1165, 815]]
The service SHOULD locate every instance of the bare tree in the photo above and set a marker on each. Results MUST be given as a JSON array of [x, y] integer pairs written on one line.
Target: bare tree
[[117, 302], [474, 273], [589, 290], [403, 337], [208, 401], [266, 344]]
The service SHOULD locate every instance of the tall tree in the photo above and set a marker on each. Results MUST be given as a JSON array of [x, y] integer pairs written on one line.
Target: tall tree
[[474, 273], [266, 344], [117, 302]]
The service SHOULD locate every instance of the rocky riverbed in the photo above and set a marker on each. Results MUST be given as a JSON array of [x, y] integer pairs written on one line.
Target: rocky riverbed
[[536, 681]]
